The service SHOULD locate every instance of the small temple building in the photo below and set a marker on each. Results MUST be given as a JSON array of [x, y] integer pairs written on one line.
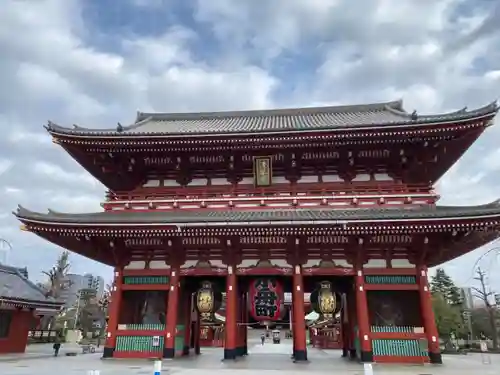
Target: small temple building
[[21, 304], [335, 201]]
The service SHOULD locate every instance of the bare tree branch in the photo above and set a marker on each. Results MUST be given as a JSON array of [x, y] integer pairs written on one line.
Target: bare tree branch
[[484, 294]]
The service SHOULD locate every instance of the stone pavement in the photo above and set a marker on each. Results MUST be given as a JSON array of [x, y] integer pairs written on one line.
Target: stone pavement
[[269, 359], [37, 351]]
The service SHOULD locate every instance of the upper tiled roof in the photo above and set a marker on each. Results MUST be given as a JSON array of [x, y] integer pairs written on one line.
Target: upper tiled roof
[[297, 216], [274, 120], [15, 287]]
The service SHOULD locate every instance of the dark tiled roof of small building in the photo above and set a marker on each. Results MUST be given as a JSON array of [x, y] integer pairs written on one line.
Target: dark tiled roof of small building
[[14, 286], [265, 215], [275, 120]]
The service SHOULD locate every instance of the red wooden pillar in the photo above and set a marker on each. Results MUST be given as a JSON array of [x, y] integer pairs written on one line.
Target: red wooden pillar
[[366, 354], [188, 306], [231, 334], [114, 314], [172, 308], [239, 345], [245, 323], [428, 318], [299, 328]]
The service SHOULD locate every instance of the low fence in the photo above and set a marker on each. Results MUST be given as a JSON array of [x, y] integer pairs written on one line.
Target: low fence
[[42, 335]]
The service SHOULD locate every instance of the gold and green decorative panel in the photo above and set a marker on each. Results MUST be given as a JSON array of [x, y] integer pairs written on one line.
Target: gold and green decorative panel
[[142, 327], [399, 348], [390, 279], [138, 344], [145, 280]]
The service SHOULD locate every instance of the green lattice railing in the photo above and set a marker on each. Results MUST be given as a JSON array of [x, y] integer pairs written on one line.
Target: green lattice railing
[[403, 348], [145, 343], [399, 329], [138, 344], [145, 280], [390, 279], [141, 327]]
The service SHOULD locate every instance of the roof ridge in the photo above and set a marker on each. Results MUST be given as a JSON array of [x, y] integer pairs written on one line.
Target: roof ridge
[[179, 116]]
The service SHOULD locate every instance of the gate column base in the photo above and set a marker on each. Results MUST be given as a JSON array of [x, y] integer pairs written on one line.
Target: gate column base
[[300, 356]]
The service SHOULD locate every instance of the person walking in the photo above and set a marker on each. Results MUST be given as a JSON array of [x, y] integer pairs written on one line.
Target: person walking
[[57, 346], [263, 338]]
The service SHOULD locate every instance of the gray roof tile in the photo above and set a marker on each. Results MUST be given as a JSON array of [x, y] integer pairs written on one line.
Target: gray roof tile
[[13, 285], [264, 215], [275, 120]]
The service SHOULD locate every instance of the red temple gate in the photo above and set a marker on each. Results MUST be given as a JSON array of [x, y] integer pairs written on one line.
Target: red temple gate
[[338, 194]]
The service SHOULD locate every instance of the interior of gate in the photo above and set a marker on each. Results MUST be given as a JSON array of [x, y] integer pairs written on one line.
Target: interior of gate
[[214, 311]]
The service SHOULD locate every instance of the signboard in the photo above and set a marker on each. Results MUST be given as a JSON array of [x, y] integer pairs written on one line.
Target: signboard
[[485, 356], [262, 171], [156, 341], [483, 346]]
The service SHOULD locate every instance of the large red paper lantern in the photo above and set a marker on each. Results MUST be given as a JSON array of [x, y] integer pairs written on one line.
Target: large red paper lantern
[[266, 299]]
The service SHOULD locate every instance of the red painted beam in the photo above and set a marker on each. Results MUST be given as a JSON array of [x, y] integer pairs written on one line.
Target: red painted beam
[[390, 271], [147, 272], [400, 359], [134, 355], [146, 287]]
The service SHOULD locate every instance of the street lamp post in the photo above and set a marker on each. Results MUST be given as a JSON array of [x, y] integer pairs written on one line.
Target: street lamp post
[[78, 298], [468, 318]]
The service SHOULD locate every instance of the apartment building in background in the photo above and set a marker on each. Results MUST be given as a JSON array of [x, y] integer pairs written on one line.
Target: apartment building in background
[[468, 298], [87, 283]]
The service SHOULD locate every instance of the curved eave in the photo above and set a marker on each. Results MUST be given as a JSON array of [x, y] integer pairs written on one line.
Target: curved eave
[[293, 217], [469, 227], [406, 123], [46, 305], [468, 243]]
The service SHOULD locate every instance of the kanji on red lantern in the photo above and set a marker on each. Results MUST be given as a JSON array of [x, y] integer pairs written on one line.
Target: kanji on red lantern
[[266, 297]]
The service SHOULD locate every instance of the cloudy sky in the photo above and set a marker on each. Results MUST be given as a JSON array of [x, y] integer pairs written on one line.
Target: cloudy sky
[[95, 62]]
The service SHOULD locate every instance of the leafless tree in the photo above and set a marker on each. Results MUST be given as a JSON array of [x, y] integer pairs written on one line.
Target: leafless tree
[[56, 282], [484, 294], [57, 276]]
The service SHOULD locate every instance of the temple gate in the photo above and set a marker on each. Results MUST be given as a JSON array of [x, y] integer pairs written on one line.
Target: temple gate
[[210, 218]]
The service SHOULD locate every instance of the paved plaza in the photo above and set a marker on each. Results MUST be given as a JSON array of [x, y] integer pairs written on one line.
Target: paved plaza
[[269, 359]]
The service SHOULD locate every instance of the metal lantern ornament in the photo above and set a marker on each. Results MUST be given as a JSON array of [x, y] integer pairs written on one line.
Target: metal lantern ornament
[[207, 301], [266, 299], [325, 301]]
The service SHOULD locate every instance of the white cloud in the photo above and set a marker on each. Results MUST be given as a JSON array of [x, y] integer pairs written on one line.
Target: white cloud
[[437, 55], [58, 174], [5, 165]]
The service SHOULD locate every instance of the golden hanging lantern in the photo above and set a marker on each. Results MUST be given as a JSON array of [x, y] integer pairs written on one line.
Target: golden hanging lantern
[[205, 301], [326, 300]]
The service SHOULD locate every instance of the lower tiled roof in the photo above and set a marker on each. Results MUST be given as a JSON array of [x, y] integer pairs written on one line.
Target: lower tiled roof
[[14, 287], [264, 215]]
